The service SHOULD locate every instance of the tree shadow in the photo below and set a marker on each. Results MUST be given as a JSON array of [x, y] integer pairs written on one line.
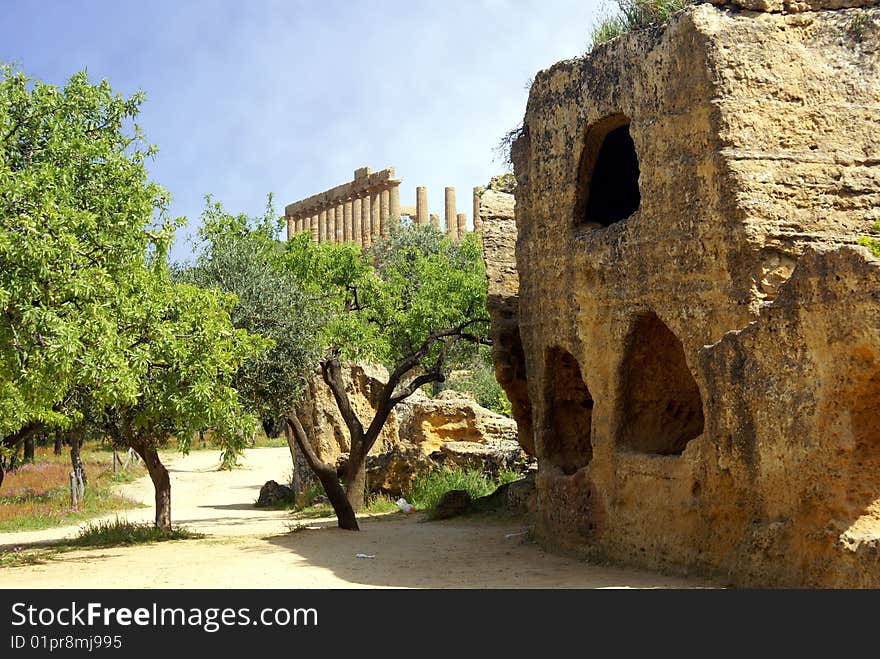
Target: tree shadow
[[472, 552]]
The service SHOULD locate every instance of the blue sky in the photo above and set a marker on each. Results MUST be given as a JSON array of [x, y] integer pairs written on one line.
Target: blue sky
[[244, 98]]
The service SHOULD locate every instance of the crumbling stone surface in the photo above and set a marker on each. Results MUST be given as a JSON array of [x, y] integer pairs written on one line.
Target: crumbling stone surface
[[502, 302], [450, 430], [701, 342], [323, 422], [421, 433]]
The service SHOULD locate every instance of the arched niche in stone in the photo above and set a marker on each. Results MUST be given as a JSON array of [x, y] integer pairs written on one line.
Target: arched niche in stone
[[608, 174], [661, 408], [568, 412]]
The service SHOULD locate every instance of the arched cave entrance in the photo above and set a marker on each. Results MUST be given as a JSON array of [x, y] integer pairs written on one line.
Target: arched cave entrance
[[569, 412], [608, 177], [662, 409]]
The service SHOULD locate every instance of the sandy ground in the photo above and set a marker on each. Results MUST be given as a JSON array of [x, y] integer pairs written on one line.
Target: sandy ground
[[252, 548]]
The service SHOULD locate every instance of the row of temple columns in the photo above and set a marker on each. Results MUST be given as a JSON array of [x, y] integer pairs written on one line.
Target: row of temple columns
[[363, 210], [359, 219]]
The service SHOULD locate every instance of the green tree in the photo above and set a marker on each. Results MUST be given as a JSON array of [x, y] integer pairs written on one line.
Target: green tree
[[79, 216], [89, 319], [412, 305], [243, 256]]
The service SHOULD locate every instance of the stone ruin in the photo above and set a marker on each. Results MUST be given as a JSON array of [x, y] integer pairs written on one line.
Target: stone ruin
[[364, 209], [693, 352]]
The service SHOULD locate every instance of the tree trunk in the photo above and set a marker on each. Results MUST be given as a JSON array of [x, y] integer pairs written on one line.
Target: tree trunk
[[327, 475], [29, 449], [161, 483], [356, 483], [75, 460], [58, 442], [296, 483]]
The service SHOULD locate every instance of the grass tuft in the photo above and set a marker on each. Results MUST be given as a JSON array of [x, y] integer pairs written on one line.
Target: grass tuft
[[121, 532], [426, 489], [633, 15]]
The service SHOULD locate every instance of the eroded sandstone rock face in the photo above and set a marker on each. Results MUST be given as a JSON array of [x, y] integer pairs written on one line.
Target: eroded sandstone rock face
[[701, 347], [450, 430], [323, 423], [502, 301], [421, 433]]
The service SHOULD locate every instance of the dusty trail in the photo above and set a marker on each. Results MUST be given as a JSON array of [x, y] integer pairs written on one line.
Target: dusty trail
[[252, 548]]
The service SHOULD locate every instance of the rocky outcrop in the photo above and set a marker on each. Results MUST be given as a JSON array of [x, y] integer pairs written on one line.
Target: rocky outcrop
[[421, 434], [502, 302], [450, 430], [323, 422], [701, 346]]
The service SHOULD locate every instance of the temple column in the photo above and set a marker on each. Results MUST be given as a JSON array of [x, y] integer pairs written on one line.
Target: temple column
[[478, 221], [421, 206], [322, 226], [291, 226], [435, 221], [366, 221], [384, 213], [461, 218], [337, 224], [313, 227], [451, 221], [375, 215], [394, 203], [330, 231], [346, 221], [356, 214]]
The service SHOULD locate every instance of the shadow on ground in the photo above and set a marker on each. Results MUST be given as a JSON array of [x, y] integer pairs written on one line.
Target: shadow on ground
[[471, 552]]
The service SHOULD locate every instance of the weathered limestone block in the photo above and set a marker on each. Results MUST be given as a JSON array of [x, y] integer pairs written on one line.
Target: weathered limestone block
[[449, 430], [499, 243], [668, 187], [453, 417], [323, 423]]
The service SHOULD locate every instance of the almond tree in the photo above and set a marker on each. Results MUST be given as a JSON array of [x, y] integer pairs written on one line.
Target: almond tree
[[89, 319]]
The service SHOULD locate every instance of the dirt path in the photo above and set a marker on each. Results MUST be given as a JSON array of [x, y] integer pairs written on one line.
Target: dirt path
[[253, 548]]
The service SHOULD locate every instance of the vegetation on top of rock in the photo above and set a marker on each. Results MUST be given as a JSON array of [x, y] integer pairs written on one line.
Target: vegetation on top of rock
[[872, 243], [634, 15], [503, 183]]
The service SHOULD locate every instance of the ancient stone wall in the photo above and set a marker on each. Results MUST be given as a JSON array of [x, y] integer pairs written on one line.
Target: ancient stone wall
[[682, 355]]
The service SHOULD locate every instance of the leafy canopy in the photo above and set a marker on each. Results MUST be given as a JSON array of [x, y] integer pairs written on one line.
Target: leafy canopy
[[382, 306], [89, 318]]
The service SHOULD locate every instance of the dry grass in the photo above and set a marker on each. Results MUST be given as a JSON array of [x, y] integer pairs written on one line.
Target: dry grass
[[37, 495]]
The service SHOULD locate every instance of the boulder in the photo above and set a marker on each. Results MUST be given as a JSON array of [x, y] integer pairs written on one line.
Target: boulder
[[272, 493], [452, 504]]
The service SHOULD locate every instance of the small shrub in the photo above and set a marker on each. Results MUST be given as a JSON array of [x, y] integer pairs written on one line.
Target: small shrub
[[633, 15], [426, 489], [872, 244], [122, 532], [380, 503], [478, 379]]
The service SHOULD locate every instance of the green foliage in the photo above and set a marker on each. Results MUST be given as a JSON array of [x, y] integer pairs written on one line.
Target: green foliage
[[426, 489], [241, 256], [120, 532], [382, 307], [478, 379], [76, 207], [872, 243], [91, 326], [633, 15]]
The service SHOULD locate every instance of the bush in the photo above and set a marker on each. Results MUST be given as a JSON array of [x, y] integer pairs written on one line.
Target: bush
[[122, 532], [872, 244], [634, 15], [426, 489], [479, 380]]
